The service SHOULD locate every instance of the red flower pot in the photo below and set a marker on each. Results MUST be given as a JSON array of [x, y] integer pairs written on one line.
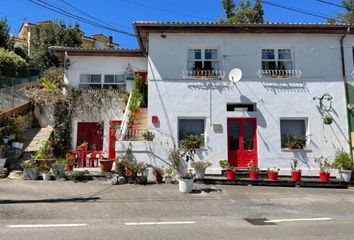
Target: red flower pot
[[69, 167], [253, 175], [230, 174], [296, 176], [324, 176], [273, 176], [83, 148]]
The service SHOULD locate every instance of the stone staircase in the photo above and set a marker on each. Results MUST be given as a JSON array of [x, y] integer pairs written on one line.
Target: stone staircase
[[141, 123]]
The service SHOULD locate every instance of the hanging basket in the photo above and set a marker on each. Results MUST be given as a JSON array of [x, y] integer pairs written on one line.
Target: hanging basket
[[327, 120]]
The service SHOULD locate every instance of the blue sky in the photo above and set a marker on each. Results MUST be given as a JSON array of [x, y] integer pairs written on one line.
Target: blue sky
[[121, 13]]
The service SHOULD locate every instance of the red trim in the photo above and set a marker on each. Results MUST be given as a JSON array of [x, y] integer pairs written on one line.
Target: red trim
[[112, 138]]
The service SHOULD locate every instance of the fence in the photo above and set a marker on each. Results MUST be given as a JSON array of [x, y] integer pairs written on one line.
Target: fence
[[10, 94]]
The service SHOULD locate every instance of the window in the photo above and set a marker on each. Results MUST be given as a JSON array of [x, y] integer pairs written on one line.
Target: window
[[190, 127], [292, 128], [203, 59], [277, 59], [241, 107], [95, 81]]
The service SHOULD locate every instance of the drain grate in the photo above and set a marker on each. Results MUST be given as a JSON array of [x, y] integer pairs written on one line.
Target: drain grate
[[259, 221]]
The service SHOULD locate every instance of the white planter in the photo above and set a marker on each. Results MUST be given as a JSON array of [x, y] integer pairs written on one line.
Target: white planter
[[19, 145], [14, 144], [185, 185], [345, 175], [30, 173], [46, 176], [5, 140], [2, 162], [199, 173]]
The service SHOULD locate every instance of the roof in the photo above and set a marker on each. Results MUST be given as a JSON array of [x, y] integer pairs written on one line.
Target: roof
[[72, 51], [143, 28]]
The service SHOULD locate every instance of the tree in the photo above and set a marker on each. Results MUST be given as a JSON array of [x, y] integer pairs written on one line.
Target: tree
[[5, 39], [244, 12], [347, 17], [52, 34], [12, 65]]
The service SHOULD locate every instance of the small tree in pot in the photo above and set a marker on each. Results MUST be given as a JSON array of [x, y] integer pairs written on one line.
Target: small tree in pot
[[199, 167], [253, 170], [185, 181], [344, 164], [295, 171], [229, 170], [325, 168]]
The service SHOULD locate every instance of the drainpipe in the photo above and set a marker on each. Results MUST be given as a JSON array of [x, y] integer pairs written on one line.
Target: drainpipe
[[345, 82]]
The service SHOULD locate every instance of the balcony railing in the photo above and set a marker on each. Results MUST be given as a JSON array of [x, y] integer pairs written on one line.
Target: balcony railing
[[204, 74], [280, 74], [134, 134]]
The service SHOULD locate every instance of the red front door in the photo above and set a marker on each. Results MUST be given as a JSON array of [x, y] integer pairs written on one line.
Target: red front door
[[91, 132], [113, 128], [242, 141]]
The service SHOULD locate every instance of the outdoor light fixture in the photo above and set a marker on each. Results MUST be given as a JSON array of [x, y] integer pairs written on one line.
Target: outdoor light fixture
[[163, 35]]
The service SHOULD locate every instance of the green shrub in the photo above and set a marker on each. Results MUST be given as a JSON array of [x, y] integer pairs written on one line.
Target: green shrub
[[343, 161], [12, 65]]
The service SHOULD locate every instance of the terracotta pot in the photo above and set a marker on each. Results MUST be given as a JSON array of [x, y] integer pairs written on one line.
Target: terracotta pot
[[106, 165], [253, 175], [296, 176], [69, 167], [230, 174], [324, 176], [273, 176]]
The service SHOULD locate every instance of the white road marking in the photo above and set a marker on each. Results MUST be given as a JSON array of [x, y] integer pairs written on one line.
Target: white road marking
[[158, 223], [46, 225], [297, 220]]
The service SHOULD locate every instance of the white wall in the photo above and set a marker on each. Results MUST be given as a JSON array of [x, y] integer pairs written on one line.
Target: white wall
[[317, 56]]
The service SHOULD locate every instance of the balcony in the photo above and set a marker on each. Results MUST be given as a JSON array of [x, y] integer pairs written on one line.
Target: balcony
[[204, 74], [279, 74]]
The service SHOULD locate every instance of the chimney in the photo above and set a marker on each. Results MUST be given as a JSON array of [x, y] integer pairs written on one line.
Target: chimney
[[110, 39]]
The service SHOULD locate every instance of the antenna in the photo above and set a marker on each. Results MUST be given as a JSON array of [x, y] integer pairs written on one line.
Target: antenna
[[235, 75]]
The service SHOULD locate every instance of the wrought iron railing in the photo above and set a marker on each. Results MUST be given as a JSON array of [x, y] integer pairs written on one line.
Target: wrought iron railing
[[134, 134], [204, 74], [280, 74]]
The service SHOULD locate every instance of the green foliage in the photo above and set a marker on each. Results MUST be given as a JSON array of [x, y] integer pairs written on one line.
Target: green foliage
[[28, 164], [45, 151], [47, 84], [148, 136], [12, 65], [158, 172], [244, 12], [79, 176], [169, 172], [343, 161], [293, 166], [192, 141], [294, 142], [5, 39], [224, 164], [135, 99], [55, 75], [52, 34], [200, 165], [347, 16], [323, 163]]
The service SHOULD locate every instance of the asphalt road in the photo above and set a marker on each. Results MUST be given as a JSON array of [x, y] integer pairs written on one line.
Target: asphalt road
[[98, 210]]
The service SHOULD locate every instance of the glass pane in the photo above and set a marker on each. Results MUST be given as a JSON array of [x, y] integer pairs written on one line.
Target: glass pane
[[190, 127], [119, 78], [248, 136], [195, 54], [291, 128], [198, 65], [285, 65], [84, 78], [109, 78], [211, 54], [284, 54], [234, 136], [207, 65], [268, 65], [268, 54], [96, 78]]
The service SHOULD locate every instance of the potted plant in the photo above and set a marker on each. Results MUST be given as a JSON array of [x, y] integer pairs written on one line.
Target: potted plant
[[325, 168], [344, 164], [294, 142], [106, 164], [148, 136], [253, 170], [20, 138], [185, 182], [60, 164], [168, 175], [199, 167], [295, 171], [69, 164], [192, 141], [2, 155], [327, 120], [229, 170], [158, 173], [83, 146], [273, 173], [30, 169], [45, 172]]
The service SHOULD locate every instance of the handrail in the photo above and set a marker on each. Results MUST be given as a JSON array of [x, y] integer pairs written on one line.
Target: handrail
[[124, 125]]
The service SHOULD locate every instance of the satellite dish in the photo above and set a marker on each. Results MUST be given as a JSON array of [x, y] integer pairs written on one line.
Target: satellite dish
[[235, 75]]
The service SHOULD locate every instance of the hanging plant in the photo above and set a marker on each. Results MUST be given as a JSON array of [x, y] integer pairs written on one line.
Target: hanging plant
[[327, 120]]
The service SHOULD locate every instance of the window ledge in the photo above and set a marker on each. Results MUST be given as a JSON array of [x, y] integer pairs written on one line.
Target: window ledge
[[296, 150]]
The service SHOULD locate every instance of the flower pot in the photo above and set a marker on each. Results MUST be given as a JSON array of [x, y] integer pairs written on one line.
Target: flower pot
[[185, 185], [5, 140], [2, 162], [345, 175], [199, 173], [19, 145], [253, 175], [324, 176], [14, 144], [296, 176], [168, 179], [159, 179], [230, 174], [272, 175], [83, 148], [69, 167], [30, 173], [106, 165], [46, 176]]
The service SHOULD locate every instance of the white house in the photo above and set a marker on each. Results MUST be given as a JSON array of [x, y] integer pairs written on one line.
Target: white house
[[293, 76]]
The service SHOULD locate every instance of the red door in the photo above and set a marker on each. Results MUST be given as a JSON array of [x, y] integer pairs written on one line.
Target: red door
[[91, 132], [113, 128], [242, 141]]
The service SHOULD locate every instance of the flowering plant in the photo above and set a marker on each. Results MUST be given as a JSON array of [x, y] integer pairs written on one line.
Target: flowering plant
[[274, 169], [69, 158], [252, 166], [200, 165], [187, 175], [294, 167], [323, 163]]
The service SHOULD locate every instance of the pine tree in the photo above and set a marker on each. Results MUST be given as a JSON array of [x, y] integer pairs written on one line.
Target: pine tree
[[5, 39], [244, 12], [229, 7]]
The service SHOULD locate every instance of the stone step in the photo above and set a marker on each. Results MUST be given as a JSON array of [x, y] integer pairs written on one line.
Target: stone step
[[35, 137]]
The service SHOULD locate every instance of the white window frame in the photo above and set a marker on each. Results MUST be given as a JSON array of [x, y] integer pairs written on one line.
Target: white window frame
[[307, 129], [191, 118], [203, 59], [90, 83], [102, 82], [276, 58]]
